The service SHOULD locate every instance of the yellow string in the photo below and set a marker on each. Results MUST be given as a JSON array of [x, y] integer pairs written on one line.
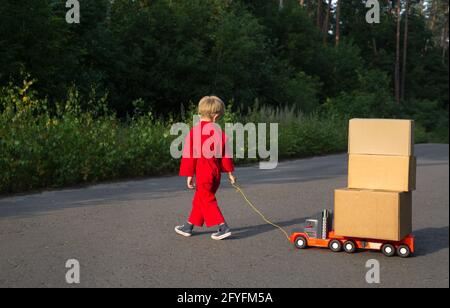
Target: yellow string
[[259, 212]]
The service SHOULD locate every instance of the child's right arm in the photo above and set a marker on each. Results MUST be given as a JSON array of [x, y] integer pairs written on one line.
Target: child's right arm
[[188, 162]]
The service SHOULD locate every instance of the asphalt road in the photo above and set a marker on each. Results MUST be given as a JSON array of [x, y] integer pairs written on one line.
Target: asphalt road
[[122, 233]]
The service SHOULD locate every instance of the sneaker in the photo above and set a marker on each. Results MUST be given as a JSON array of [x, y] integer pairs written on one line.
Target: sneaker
[[185, 230], [223, 232]]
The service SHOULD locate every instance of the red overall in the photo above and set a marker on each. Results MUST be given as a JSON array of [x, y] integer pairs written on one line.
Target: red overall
[[206, 166]]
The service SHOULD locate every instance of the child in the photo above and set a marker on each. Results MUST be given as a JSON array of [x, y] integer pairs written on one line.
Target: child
[[206, 164]]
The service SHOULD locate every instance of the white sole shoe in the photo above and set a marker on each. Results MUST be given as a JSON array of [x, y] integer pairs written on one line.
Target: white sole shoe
[[185, 234], [221, 237]]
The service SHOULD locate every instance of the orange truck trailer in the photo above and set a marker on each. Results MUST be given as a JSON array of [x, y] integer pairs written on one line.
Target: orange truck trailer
[[317, 233]]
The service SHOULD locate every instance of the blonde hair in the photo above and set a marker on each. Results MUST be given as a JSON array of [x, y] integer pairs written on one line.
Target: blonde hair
[[209, 106]]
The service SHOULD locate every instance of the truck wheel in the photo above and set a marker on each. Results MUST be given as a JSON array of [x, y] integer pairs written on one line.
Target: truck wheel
[[403, 251], [335, 246], [300, 242], [349, 247], [388, 250]]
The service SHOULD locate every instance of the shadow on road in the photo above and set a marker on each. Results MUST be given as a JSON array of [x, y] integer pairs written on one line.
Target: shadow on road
[[428, 241], [432, 164], [431, 240], [250, 231], [434, 152]]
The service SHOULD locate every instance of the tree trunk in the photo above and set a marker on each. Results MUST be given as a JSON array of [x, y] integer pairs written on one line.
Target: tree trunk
[[422, 7], [433, 14], [421, 4], [326, 24], [397, 55], [338, 22], [375, 48], [405, 50], [307, 6], [319, 13], [444, 37]]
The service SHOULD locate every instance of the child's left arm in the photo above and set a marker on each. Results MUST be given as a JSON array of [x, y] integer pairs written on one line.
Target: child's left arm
[[226, 163], [190, 182]]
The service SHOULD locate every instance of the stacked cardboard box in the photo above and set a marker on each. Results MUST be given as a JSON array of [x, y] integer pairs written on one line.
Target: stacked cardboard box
[[382, 174]]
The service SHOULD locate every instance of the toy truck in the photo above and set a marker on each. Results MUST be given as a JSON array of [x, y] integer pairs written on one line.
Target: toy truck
[[318, 233]]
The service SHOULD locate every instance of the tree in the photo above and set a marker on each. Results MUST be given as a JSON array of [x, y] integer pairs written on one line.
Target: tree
[[433, 14], [326, 23], [398, 51], [405, 50], [168, 52], [444, 36], [338, 22], [436, 13], [319, 14]]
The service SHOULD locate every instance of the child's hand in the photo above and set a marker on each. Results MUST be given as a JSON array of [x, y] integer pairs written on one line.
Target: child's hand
[[190, 182], [232, 178]]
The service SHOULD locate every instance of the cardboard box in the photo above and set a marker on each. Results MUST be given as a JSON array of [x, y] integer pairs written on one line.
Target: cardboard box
[[368, 214], [396, 173], [381, 137]]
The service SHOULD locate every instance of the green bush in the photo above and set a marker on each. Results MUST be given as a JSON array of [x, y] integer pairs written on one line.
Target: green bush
[[303, 135], [43, 150], [339, 68], [432, 119], [43, 147], [420, 134], [372, 99]]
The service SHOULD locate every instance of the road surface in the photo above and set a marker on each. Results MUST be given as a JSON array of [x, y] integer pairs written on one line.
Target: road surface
[[122, 233]]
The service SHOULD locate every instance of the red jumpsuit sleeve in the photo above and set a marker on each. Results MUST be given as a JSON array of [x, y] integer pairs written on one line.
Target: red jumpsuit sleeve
[[188, 162], [226, 163]]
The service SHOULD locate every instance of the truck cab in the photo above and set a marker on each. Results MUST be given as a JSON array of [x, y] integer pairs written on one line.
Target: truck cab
[[318, 232], [319, 226]]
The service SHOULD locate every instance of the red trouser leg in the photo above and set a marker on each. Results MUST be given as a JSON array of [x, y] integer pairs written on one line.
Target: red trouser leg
[[205, 209]]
